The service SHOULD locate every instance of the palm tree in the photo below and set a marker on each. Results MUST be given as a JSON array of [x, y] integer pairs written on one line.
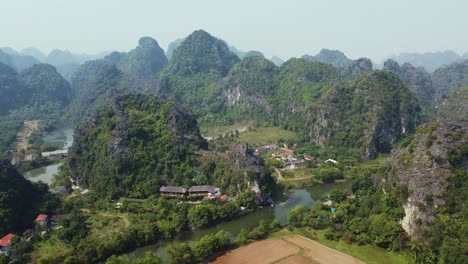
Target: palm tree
[[416, 246]]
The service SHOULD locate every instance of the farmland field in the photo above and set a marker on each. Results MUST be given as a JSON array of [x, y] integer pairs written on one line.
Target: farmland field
[[288, 249]]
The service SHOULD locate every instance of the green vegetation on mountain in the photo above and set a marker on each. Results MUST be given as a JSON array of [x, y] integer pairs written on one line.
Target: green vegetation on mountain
[[93, 84], [449, 78], [333, 57], [38, 92], [20, 200], [145, 60], [455, 107], [136, 143], [193, 74]]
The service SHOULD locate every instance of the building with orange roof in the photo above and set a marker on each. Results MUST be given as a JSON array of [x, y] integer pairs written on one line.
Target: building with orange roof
[[5, 242], [41, 219]]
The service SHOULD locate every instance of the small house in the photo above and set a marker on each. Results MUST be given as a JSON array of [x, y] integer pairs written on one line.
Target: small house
[[5, 243], [204, 190], [223, 197], [41, 219], [272, 146], [287, 155], [172, 191]]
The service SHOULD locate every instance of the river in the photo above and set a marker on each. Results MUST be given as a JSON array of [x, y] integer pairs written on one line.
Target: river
[[63, 136], [302, 196]]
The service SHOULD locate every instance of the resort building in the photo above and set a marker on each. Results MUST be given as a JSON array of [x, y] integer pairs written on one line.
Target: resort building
[[205, 190], [172, 191]]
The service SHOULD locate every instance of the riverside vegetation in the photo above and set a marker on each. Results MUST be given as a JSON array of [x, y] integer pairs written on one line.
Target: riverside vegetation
[[127, 146]]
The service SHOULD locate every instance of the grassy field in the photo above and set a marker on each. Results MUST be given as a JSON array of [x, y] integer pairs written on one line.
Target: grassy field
[[219, 130], [367, 253], [265, 135]]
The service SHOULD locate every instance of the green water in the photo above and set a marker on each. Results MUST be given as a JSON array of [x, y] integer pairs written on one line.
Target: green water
[[43, 174], [62, 137], [304, 196]]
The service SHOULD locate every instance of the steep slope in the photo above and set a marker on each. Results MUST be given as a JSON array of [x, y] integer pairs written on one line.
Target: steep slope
[[133, 145], [419, 81], [93, 83], [193, 74], [117, 73], [201, 53], [455, 107], [44, 85], [145, 60], [432, 168], [137, 143], [172, 47], [364, 117], [10, 89], [20, 199], [249, 90], [447, 79], [333, 57]]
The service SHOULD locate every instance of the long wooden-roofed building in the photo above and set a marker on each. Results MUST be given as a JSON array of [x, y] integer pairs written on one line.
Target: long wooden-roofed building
[[204, 190], [172, 191]]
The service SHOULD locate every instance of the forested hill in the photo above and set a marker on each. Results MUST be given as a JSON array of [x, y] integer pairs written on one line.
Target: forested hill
[[38, 92], [20, 199], [137, 143], [431, 167], [119, 72]]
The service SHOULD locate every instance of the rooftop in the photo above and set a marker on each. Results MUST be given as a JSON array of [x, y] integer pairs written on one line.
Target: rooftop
[[6, 240], [202, 188], [41, 217], [172, 189]]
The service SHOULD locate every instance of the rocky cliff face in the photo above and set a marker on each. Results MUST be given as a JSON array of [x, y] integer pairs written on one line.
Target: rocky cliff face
[[367, 115], [424, 167], [418, 80], [136, 143]]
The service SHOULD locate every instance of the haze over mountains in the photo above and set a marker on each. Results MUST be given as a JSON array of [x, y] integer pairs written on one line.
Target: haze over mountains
[[137, 118]]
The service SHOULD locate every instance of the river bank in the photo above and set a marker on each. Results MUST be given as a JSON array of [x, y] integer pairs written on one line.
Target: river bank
[[301, 196]]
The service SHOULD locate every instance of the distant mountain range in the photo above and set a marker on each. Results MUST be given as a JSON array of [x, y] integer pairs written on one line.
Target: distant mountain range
[[65, 61], [430, 60]]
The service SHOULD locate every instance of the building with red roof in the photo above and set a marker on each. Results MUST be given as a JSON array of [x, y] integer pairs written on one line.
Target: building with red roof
[[41, 219], [6, 240], [223, 197]]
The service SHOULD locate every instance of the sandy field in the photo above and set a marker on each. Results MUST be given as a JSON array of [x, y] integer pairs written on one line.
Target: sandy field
[[286, 250], [266, 251]]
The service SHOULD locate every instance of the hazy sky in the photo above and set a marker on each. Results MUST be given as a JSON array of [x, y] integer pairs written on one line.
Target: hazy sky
[[287, 28]]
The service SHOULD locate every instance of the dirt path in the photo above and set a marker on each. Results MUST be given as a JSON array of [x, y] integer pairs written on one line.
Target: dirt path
[[286, 250], [280, 176], [29, 126]]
